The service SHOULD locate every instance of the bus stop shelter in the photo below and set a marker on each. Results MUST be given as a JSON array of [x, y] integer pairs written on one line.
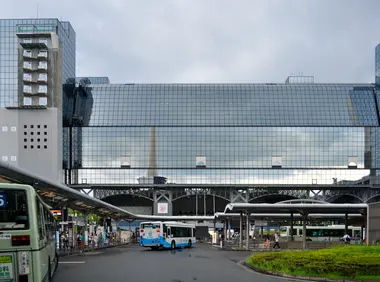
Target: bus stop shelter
[[300, 208]]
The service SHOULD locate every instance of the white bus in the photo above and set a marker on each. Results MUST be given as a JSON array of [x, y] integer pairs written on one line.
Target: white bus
[[320, 233], [27, 235], [159, 234]]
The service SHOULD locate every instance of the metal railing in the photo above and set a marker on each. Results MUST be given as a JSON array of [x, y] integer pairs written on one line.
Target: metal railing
[[66, 248]]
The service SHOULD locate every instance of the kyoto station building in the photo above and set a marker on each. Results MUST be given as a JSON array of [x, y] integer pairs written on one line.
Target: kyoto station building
[[184, 149], [190, 149]]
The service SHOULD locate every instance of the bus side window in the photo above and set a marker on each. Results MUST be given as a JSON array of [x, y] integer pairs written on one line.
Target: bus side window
[[48, 225], [193, 232], [294, 232], [40, 219]]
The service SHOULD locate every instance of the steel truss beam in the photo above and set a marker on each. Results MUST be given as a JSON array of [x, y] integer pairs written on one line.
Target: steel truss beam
[[242, 195], [223, 186]]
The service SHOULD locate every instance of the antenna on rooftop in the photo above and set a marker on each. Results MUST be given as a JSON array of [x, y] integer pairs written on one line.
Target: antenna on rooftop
[[37, 10]]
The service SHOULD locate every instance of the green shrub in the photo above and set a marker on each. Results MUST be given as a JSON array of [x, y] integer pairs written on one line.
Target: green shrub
[[341, 262]]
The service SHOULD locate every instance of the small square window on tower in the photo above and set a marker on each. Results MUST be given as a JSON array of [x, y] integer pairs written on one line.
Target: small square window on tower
[[125, 161], [352, 162], [276, 161], [200, 161]]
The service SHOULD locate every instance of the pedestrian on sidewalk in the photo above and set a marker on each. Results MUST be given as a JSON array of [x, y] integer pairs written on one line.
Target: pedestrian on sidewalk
[[276, 241], [267, 242]]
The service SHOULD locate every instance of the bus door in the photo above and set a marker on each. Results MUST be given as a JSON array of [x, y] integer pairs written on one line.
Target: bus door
[[15, 239]]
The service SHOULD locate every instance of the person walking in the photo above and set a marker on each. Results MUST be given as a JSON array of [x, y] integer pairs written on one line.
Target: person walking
[[276, 241]]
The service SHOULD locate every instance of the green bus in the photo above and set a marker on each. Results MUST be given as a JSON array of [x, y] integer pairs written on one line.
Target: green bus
[[27, 236]]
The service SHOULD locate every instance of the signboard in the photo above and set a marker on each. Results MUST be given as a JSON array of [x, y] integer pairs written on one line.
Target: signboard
[[162, 208], [261, 222], [3, 200], [6, 268]]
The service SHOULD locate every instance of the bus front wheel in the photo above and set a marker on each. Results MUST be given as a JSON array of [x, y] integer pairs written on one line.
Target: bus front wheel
[[173, 245], [189, 244]]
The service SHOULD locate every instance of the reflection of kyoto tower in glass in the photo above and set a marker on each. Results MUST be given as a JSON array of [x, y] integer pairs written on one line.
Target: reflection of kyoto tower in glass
[[152, 177]]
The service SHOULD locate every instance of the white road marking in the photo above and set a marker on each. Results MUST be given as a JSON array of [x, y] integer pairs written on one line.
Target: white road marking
[[72, 262]]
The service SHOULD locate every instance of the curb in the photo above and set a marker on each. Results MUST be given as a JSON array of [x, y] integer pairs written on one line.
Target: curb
[[90, 250], [291, 276], [240, 249]]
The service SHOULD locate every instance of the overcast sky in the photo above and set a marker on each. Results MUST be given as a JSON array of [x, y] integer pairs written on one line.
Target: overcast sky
[[216, 40]]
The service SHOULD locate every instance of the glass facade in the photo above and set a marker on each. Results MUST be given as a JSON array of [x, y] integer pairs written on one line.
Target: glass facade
[[377, 64], [226, 133], [94, 80], [233, 105], [9, 50]]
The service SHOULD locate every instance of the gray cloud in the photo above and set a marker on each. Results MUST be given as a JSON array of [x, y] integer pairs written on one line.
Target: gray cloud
[[217, 40]]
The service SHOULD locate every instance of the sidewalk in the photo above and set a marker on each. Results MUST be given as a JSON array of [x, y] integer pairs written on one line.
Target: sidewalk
[[77, 251], [238, 249], [258, 245]]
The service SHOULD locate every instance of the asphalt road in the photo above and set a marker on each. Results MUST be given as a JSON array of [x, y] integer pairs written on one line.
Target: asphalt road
[[132, 263]]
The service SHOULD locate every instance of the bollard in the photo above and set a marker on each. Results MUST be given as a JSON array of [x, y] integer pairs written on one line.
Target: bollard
[[221, 243]]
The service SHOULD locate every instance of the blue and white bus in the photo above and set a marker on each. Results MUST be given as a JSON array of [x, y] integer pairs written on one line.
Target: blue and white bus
[[161, 234]]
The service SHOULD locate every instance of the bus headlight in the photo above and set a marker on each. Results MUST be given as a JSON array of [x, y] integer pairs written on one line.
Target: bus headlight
[[23, 263]]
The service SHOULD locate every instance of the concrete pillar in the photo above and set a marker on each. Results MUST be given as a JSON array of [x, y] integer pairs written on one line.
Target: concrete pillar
[[361, 233], [204, 204], [304, 219], [291, 227], [215, 231], [241, 230], [196, 204], [247, 227], [86, 229], [213, 203], [226, 230], [346, 224]]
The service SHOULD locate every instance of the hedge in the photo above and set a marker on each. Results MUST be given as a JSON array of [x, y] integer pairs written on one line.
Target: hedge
[[353, 262]]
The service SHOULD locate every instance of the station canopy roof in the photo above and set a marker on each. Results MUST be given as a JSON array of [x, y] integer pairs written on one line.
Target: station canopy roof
[[223, 216], [297, 206], [60, 195]]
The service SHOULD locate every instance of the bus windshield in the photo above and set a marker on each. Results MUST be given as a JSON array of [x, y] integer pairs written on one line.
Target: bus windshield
[[13, 210]]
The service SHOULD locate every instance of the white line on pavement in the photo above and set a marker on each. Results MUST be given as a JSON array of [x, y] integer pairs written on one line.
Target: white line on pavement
[[71, 262]]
